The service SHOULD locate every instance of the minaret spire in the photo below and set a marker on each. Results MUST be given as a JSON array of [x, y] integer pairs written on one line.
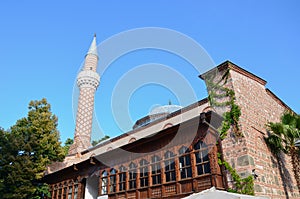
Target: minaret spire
[[93, 47], [88, 81]]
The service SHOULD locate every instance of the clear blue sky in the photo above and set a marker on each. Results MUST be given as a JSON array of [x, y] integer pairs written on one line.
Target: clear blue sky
[[43, 44]]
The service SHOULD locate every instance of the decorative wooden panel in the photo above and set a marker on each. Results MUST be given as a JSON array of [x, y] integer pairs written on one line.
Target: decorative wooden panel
[[170, 190], [143, 193], [156, 192], [186, 186], [219, 180], [204, 183], [131, 195], [121, 196]]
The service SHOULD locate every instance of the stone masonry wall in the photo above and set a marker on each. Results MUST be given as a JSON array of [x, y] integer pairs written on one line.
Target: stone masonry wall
[[258, 107]]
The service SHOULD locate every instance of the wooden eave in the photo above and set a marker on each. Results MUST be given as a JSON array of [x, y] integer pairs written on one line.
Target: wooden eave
[[85, 168]]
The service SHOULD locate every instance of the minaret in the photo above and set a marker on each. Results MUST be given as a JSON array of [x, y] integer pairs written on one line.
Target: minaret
[[87, 80]]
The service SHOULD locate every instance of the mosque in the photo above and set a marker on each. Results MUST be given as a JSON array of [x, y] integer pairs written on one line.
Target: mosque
[[173, 152]]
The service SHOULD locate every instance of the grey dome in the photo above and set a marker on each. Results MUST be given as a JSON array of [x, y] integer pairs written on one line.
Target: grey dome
[[164, 109], [156, 113]]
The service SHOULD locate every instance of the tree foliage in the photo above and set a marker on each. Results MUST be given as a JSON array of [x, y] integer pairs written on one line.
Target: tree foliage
[[283, 137], [67, 145], [26, 149], [95, 142]]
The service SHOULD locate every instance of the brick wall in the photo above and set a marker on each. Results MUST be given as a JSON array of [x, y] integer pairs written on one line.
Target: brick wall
[[258, 107]]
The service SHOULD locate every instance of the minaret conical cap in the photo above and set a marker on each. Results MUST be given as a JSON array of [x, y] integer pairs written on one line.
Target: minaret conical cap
[[93, 47]]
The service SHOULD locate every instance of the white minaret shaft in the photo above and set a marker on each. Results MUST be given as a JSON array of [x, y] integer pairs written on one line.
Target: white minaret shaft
[[87, 80]]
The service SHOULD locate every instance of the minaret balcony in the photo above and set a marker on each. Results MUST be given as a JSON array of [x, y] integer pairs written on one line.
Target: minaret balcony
[[88, 78]]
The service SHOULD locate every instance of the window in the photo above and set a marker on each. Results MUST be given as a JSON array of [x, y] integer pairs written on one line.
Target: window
[[55, 191], [185, 163], [169, 166], [112, 180], [132, 176], [59, 191], [122, 178], [104, 183], [75, 189], [70, 190], [65, 190], [143, 173], [201, 156], [156, 170]]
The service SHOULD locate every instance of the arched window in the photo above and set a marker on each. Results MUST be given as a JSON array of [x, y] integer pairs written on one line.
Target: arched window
[[70, 189], [104, 182], [122, 178], [156, 170], [185, 163], [169, 166], [112, 180], [201, 156], [132, 176], [143, 173]]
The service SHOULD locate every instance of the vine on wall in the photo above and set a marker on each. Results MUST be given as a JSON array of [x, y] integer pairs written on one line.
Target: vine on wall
[[223, 97], [242, 185]]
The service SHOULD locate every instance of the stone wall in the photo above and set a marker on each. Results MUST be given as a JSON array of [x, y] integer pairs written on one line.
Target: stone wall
[[258, 107]]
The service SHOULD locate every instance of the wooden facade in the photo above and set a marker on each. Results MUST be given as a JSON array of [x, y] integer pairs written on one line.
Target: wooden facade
[[172, 163]]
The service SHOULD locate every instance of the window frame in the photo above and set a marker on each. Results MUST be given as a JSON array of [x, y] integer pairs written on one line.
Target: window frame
[[202, 162], [170, 168], [156, 170], [112, 181], [185, 163], [104, 183], [144, 175], [132, 176], [122, 178]]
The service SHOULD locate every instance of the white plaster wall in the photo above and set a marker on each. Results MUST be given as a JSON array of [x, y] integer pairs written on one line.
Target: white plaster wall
[[91, 188]]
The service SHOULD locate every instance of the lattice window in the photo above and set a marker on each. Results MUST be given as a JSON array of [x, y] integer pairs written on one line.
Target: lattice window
[[132, 175], [202, 159], [112, 180], [169, 166], [185, 163], [156, 170], [143, 173], [122, 178], [104, 182]]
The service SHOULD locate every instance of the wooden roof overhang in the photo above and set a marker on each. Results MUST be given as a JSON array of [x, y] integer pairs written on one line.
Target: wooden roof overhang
[[204, 122]]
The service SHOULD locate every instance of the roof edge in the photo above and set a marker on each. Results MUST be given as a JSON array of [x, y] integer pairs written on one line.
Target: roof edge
[[278, 100], [236, 68], [184, 109]]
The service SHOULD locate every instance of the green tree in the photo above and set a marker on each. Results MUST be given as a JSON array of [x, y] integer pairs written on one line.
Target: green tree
[[283, 137], [95, 142], [67, 145], [26, 149]]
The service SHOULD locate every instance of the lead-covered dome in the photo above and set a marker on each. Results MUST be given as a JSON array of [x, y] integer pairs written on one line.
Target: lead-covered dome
[[156, 113]]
